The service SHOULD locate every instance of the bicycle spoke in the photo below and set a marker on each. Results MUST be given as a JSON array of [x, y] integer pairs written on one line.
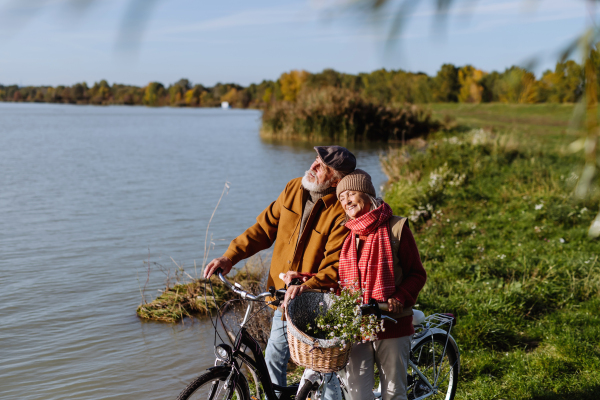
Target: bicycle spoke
[[449, 371], [213, 389], [431, 368]]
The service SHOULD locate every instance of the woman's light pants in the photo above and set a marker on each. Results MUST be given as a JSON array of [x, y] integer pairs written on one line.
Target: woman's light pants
[[391, 356]]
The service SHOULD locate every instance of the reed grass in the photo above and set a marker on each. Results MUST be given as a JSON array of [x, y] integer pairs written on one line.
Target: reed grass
[[195, 297], [344, 116]]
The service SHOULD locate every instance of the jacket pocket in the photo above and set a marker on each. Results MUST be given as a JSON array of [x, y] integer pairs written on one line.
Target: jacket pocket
[[289, 223]]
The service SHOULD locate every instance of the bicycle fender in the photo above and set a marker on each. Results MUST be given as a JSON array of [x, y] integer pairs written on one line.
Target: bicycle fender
[[435, 331]]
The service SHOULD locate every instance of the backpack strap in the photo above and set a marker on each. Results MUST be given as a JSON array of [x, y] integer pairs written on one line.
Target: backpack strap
[[396, 225]]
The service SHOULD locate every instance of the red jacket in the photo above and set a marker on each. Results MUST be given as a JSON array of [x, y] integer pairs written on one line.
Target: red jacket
[[413, 280]]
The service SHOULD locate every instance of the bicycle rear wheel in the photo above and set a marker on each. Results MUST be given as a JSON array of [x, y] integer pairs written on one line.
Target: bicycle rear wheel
[[438, 366], [210, 386]]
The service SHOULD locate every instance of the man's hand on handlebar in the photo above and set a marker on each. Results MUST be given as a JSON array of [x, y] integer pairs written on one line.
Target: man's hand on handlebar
[[395, 306], [292, 292], [291, 275], [220, 262]]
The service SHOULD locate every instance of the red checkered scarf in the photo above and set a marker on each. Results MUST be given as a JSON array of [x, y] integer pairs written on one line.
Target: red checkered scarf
[[375, 270]]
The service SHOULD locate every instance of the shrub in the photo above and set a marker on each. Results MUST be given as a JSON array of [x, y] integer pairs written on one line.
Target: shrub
[[343, 115]]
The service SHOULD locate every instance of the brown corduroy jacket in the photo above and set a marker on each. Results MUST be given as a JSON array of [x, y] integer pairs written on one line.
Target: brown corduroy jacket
[[318, 249]]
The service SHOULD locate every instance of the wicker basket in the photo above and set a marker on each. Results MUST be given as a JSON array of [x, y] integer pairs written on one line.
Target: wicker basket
[[322, 355]]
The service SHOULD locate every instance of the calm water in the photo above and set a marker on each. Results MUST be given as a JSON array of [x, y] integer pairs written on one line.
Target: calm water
[[87, 194]]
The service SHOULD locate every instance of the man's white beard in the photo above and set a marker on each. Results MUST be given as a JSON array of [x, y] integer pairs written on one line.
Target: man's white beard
[[314, 186]]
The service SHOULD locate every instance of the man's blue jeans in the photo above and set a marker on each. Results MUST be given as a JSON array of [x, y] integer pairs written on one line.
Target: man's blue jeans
[[278, 354]]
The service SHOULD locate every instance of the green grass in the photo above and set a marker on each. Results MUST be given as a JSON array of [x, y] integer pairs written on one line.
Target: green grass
[[506, 249], [547, 121]]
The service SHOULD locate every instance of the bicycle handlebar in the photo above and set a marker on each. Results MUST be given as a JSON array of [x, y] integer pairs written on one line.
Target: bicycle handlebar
[[376, 309], [237, 288]]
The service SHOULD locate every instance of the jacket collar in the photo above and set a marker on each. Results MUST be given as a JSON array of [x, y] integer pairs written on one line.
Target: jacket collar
[[329, 199], [302, 194]]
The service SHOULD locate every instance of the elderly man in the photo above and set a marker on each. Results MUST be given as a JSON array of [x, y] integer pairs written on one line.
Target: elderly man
[[306, 219]]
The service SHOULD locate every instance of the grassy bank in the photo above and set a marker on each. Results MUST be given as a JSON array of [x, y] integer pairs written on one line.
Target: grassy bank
[[551, 121], [196, 298], [506, 249]]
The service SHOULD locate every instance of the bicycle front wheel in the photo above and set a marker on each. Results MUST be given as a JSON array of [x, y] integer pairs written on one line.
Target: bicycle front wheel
[[438, 363], [210, 386], [307, 391]]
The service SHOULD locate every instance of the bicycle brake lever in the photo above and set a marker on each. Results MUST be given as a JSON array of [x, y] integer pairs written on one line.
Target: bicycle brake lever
[[375, 306], [389, 318]]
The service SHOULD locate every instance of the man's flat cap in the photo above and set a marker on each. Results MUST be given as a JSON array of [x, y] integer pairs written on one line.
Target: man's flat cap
[[337, 157]]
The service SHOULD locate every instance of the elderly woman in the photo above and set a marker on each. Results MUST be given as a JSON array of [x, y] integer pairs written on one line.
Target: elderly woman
[[380, 254]]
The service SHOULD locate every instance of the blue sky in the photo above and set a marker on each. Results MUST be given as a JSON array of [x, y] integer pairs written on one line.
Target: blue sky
[[50, 42]]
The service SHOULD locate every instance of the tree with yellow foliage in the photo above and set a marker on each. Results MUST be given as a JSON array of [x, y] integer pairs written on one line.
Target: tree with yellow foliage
[[471, 89], [291, 83], [231, 97]]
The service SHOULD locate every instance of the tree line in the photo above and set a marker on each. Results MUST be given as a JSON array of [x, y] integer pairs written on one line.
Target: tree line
[[465, 84]]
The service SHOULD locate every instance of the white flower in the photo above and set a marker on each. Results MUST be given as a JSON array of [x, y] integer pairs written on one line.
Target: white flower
[[321, 303], [561, 240], [539, 206]]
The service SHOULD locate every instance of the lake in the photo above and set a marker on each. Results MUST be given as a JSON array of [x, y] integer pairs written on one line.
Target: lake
[[86, 195]]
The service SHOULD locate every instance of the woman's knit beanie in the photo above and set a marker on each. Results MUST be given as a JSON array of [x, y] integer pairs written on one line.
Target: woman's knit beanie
[[358, 180]]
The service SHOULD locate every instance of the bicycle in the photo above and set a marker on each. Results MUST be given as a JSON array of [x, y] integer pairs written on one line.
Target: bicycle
[[225, 379], [433, 352], [425, 373]]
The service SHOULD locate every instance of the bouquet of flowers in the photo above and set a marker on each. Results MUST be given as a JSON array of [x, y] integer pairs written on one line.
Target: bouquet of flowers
[[345, 321]]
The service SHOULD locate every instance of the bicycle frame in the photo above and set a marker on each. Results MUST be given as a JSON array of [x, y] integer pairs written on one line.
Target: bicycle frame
[[259, 366], [256, 363]]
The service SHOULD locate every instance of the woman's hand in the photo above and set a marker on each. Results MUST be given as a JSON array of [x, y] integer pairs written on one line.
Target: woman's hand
[[395, 306], [288, 276]]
